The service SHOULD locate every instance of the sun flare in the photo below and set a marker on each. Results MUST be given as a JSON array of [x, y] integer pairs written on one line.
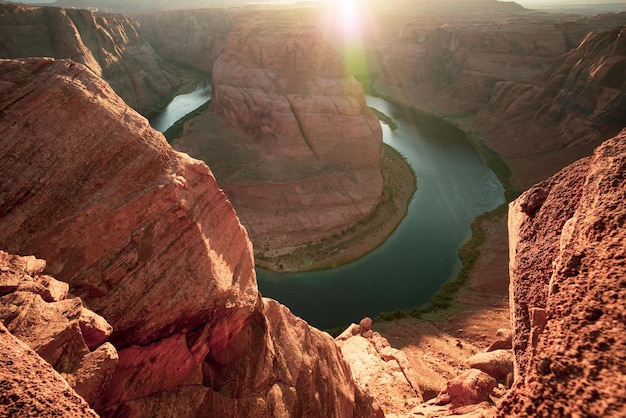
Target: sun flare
[[350, 19]]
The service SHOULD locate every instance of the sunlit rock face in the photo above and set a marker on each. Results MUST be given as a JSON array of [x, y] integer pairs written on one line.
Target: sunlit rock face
[[145, 237], [568, 288], [112, 46], [316, 144]]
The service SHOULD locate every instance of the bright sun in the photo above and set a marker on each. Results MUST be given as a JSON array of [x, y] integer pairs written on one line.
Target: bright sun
[[350, 19]]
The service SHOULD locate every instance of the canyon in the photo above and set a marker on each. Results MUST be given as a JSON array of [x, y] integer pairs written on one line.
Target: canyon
[[112, 46], [147, 298], [290, 136]]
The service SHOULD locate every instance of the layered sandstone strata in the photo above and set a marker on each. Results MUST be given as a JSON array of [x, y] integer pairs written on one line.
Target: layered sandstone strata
[[574, 105], [146, 238], [195, 37], [304, 161], [568, 267], [112, 46], [538, 89]]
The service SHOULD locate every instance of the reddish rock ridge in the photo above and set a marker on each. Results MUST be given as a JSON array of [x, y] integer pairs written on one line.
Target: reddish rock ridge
[[146, 238], [195, 37], [308, 165], [568, 267], [112, 46]]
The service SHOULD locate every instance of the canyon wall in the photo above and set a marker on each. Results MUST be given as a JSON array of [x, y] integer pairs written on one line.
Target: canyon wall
[[576, 103], [300, 159], [515, 83], [112, 46], [568, 270], [144, 236], [194, 37]]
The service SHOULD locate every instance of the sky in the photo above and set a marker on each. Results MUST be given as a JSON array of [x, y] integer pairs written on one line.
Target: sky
[[525, 3]]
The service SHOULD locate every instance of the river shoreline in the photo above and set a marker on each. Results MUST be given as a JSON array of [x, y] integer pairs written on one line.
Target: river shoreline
[[399, 186]]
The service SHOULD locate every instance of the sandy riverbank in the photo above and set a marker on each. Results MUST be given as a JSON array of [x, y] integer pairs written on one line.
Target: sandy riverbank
[[399, 185]]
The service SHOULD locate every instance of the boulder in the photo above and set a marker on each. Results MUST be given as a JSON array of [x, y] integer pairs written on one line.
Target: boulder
[[497, 364], [469, 388]]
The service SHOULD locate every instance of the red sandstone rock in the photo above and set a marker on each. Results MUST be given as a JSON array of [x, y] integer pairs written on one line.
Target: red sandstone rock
[[497, 363], [112, 46], [469, 388], [195, 37], [53, 329], [379, 369], [147, 239], [29, 386], [504, 340], [309, 165], [567, 258]]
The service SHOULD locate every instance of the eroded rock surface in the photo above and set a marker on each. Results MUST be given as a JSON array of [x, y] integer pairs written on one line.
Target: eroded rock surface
[[52, 326], [146, 238], [30, 387], [304, 160], [112, 46], [567, 283], [379, 369], [196, 37]]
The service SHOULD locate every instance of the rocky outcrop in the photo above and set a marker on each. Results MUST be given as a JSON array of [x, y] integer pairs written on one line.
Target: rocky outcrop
[[304, 161], [112, 46], [30, 387], [35, 308], [567, 290], [379, 369], [195, 37], [146, 238]]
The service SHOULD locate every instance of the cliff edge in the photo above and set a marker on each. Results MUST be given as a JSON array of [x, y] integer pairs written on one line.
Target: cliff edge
[[112, 46], [567, 266], [146, 238]]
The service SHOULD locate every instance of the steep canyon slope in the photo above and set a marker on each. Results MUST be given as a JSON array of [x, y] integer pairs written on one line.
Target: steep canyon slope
[[112, 46], [300, 156], [146, 238]]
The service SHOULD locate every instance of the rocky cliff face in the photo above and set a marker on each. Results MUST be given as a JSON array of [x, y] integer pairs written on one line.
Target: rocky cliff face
[[146, 238], [567, 290], [304, 162], [449, 64], [515, 83], [195, 37], [110, 45], [580, 99]]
